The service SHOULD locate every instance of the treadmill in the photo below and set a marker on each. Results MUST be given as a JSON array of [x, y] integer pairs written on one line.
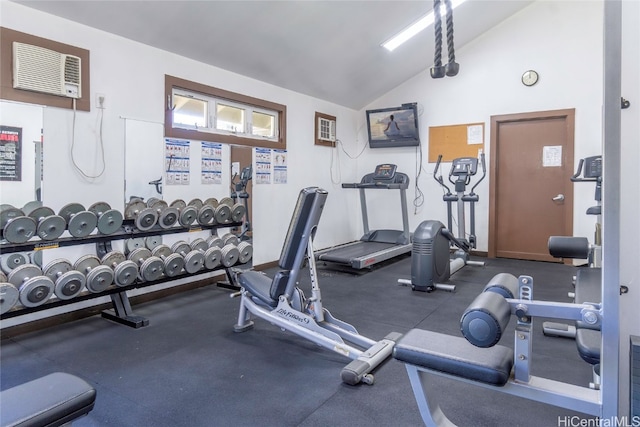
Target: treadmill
[[375, 245]]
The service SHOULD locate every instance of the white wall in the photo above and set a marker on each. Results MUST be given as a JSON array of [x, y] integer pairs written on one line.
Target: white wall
[[563, 42]]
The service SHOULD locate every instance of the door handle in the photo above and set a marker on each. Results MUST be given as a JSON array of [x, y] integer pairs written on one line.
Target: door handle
[[558, 198]]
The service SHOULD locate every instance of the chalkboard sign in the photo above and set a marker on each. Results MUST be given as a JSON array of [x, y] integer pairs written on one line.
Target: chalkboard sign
[[10, 153]]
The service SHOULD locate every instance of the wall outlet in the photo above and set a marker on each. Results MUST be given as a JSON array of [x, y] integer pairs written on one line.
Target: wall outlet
[[100, 101]]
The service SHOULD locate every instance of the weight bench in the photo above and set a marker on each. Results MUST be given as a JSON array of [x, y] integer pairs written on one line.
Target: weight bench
[[53, 400], [478, 360]]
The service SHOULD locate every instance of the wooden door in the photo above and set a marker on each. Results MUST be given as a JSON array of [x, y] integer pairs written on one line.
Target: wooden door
[[242, 157], [531, 165]]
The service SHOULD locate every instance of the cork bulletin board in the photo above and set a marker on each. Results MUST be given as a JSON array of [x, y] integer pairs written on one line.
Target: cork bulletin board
[[454, 141]]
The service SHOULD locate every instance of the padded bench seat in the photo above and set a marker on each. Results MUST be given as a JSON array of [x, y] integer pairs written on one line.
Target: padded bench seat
[[53, 400], [455, 356]]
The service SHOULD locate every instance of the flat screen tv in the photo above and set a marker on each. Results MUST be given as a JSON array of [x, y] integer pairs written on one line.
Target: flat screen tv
[[393, 127]]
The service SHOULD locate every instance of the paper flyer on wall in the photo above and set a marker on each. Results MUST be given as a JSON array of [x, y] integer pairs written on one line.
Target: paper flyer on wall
[[10, 153], [263, 166], [279, 166], [177, 161], [211, 163]]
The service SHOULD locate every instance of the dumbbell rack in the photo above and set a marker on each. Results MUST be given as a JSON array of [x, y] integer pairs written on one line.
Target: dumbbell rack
[[121, 312]]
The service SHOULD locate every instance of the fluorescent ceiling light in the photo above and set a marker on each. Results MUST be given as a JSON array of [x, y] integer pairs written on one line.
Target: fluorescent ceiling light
[[418, 26]]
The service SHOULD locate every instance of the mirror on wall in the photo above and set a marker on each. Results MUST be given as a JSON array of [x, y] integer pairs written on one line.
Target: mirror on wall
[[21, 153]]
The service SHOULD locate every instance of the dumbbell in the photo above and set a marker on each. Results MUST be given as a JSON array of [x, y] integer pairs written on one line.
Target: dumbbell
[[222, 209], [109, 220], [150, 267], [99, 277], [50, 226], [187, 214], [212, 255], [237, 210], [80, 222], [125, 271], [167, 215], [10, 261], [206, 212], [230, 238], [33, 287], [246, 252], [144, 217], [16, 226], [228, 244], [68, 282], [215, 241], [173, 263], [193, 260], [9, 294]]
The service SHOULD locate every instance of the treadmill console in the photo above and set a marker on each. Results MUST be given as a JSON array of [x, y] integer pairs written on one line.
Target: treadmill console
[[385, 172], [464, 166]]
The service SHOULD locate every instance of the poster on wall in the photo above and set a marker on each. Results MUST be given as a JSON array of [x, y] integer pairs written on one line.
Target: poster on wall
[[279, 166], [211, 163], [10, 153], [263, 166], [176, 161]]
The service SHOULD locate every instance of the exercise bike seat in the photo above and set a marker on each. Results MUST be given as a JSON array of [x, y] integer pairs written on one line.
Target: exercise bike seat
[[262, 287]]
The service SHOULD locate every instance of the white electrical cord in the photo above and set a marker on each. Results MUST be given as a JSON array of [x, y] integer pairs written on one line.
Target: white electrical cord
[[73, 142]]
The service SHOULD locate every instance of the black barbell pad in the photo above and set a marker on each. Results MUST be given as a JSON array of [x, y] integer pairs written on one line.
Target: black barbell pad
[[485, 319], [569, 247]]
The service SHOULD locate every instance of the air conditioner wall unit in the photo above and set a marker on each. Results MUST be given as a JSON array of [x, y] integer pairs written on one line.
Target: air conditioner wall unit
[[44, 70], [327, 129]]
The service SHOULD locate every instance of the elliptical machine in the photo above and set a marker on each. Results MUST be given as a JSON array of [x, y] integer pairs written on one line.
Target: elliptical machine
[[239, 191], [431, 265]]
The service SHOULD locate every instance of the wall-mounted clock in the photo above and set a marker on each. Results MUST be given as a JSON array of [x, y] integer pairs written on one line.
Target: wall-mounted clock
[[529, 78]]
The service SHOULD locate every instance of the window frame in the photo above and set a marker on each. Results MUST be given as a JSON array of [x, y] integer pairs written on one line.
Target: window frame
[[212, 134]]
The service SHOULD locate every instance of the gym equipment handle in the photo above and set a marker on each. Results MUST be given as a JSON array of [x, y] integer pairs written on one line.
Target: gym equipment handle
[[558, 198]]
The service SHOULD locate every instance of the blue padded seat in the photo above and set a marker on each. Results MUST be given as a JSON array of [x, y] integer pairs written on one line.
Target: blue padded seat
[[455, 356], [53, 400]]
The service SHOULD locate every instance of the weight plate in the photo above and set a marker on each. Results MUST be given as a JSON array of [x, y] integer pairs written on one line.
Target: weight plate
[[159, 205], [51, 227], [237, 212], [187, 216], [133, 208], [69, 285], [151, 201], [212, 258], [230, 255], [205, 215], [161, 251], [10, 261], [9, 213], [181, 247], [110, 221], [168, 217], [36, 291], [196, 203], [5, 206], [39, 213], [226, 201], [178, 204], [30, 206], [69, 210], [193, 262], [112, 259], [223, 214], [139, 255], [20, 229], [86, 263], [230, 238], [152, 241], [3, 277], [57, 268], [82, 224], [99, 208], [146, 219], [151, 269], [20, 274], [125, 273], [173, 265], [36, 258], [211, 201], [99, 279], [199, 245], [215, 241], [246, 252], [9, 296], [133, 244]]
